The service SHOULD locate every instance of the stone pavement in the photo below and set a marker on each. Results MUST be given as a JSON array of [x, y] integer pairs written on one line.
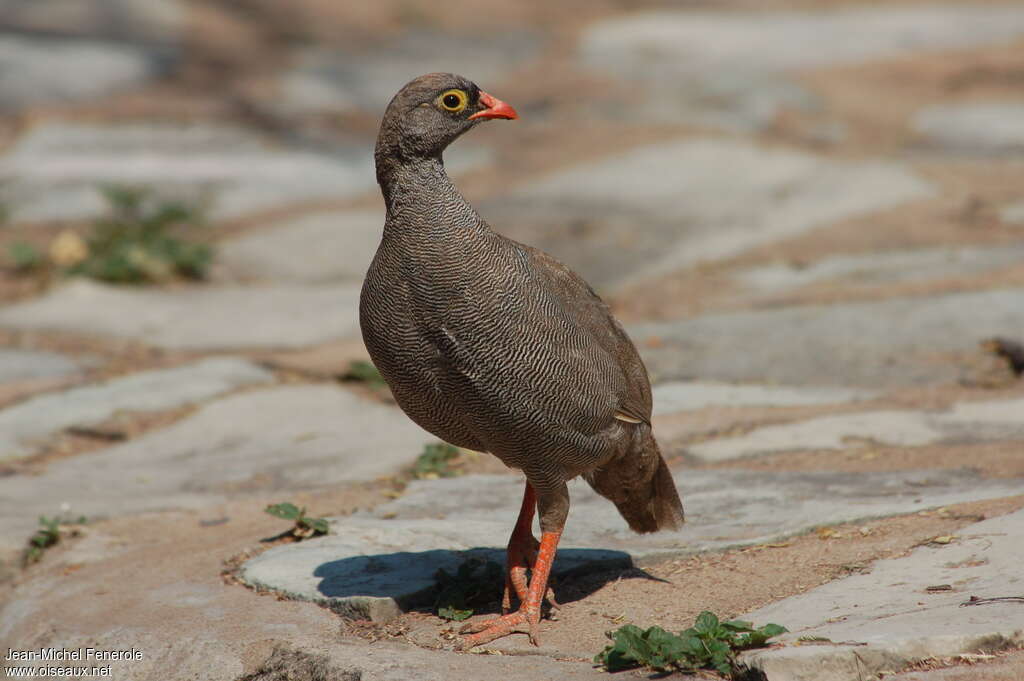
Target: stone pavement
[[372, 563], [906, 609], [809, 220]]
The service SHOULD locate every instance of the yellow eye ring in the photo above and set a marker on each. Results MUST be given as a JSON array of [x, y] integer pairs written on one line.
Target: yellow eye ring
[[453, 100]]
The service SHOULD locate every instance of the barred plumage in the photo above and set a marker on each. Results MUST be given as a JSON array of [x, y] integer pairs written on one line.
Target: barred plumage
[[495, 346]]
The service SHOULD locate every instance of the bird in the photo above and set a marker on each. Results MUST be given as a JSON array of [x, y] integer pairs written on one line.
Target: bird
[[495, 346]]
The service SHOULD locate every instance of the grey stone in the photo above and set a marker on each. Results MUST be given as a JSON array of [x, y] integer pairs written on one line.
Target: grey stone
[[27, 424], [394, 551], [332, 80], [887, 267], [877, 344], [730, 68], [36, 70], [687, 395], [682, 202], [890, 610], [965, 422], [16, 365], [152, 21], [978, 128], [280, 315], [398, 573], [214, 655], [276, 439], [54, 170], [790, 40], [1013, 213], [317, 247]]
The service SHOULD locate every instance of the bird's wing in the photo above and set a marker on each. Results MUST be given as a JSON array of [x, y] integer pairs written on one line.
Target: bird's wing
[[593, 317]]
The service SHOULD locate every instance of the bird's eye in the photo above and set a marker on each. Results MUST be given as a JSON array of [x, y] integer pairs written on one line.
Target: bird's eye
[[454, 101]]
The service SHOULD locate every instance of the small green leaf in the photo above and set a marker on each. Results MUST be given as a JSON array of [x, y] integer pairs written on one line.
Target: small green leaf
[[770, 630], [705, 623], [454, 614], [25, 256], [624, 653], [46, 536], [360, 370], [285, 511], [434, 461], [318, 525]]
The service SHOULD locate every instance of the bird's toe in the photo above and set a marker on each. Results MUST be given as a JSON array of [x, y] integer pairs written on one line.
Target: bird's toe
[[477, 633]]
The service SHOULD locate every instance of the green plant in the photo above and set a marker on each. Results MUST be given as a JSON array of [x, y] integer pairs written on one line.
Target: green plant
[[361, 370], [25, 256], [474, 585], [143, 239], [47, 535], [708, 644], [304, 525], [434, 461]]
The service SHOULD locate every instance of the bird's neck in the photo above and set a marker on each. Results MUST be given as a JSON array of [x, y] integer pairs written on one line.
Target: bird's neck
[[418, 189]]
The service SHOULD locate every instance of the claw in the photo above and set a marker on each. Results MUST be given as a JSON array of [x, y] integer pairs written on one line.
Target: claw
[[477, 633]]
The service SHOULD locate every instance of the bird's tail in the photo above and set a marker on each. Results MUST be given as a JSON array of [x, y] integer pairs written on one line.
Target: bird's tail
[[640, 485]]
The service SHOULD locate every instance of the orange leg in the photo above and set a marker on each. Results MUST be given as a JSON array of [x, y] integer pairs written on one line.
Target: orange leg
[[527, 618], [522, 548], [520, 555]]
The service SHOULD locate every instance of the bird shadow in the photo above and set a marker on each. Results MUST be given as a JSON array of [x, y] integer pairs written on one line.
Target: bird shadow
[[412, 579]]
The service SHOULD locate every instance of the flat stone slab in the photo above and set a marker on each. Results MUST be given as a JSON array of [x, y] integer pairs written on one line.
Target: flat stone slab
[[788, 40], [877, 344], [965, 422], [36, 70], [53, 172], [18, 364], [29, 424], [348, 79], [276, 439], [688, 395], [976, 127], [151, 21], [374, 562], [319, 247], [679, 203], [891, 611], [883, 268], [733, 69], [1013, 213], [399, 571], [198, 317]]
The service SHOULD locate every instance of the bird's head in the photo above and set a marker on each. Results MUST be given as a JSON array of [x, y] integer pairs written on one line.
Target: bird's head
[[431, 111]]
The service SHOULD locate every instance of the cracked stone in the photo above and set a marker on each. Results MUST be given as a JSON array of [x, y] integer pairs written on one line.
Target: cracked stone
[[201, 317], [679, 203], [278, 439], [891, 613], [27, 424]]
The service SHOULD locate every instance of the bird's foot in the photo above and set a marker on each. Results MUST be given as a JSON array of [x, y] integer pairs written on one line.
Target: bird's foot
[[522, 621]]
